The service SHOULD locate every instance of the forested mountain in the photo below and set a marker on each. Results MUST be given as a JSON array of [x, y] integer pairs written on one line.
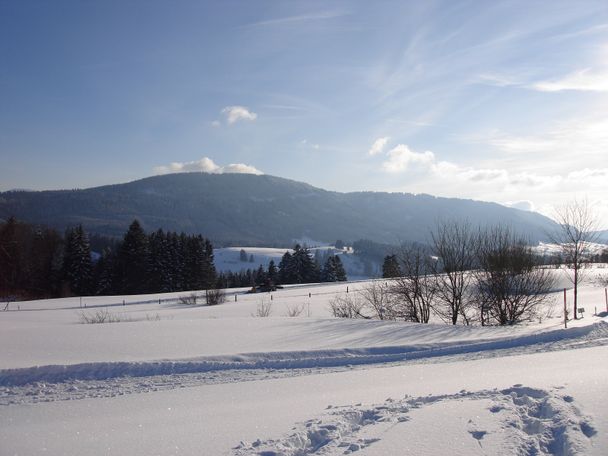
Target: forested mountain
[[251, 209]]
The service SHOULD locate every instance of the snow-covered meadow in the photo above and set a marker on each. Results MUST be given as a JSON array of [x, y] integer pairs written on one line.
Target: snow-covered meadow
[[170, 378]]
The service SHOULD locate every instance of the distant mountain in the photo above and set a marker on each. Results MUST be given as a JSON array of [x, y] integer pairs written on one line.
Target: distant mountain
[[257, 210]]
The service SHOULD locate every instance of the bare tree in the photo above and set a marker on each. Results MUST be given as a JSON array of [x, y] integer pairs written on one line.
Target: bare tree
[[510, 285], [453, 243], [578, 228], [415, 289]]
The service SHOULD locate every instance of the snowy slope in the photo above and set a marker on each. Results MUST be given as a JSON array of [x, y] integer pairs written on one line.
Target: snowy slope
[[177, 379]]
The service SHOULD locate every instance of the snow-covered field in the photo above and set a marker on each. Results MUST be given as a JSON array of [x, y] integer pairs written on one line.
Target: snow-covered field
[[169, 378]]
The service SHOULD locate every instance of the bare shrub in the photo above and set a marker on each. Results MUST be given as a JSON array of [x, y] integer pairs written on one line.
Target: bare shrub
[[264, 309], [602, 280], [155, 317], [295, 310], [215, 296], [380, 302], [511, 287], [191, 299], [101, 316], [347, 306]]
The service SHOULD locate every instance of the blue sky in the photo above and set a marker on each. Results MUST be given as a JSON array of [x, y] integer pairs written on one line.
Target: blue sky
[[497, 101]]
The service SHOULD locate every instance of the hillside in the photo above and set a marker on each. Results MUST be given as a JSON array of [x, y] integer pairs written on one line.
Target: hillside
[[175, 379], [257, 210]]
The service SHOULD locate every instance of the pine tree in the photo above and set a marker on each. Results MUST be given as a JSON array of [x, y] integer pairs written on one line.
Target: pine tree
[[390, 267], [10, 257], [159, 259], [328, 273], [273, 273], [260, 276], [286, 273], [132, 261], [333, 271], [77, 264], [305, 269], [243, 255], [103, 273]]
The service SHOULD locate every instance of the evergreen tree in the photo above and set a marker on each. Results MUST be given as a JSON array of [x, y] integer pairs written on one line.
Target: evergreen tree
[[339, 267], [208, 267], [286, 273], [77, 264], [260, 276], [10, 257], [304, 267], [273, 273], [243, 255], [159, 260], [328, 273], [390, 267], [132, 261], [333, 270], [103, 273]]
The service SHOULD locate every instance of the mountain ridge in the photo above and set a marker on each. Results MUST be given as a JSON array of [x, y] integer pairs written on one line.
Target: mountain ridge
[[258, 209]]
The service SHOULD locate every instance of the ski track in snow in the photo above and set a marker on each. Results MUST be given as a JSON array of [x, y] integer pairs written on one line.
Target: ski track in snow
[[89, 380], [532, 422]]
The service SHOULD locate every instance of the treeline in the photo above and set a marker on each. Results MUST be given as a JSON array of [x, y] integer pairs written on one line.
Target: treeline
[[37, 262], [299, 266]]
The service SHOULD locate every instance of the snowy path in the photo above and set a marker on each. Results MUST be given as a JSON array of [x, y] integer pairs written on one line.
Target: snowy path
[[78, 381]]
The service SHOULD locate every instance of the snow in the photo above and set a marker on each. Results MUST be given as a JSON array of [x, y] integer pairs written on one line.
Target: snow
[[228, 259], [178, 379]]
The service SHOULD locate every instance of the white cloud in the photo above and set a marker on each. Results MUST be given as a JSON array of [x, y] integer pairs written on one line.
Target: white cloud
[[584, 80], [400, 158], [235, 113], [378, 146], [206, 165], [215, 123], [590, 176]]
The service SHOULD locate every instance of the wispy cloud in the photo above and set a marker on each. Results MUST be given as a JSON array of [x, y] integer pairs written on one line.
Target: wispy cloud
[[378, 146], [297, 18], [206, 165], [234, 114], [307, 144], [588, 136], [583, 80]]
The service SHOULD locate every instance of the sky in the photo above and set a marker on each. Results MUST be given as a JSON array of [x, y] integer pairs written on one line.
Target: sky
[[503, 101]]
